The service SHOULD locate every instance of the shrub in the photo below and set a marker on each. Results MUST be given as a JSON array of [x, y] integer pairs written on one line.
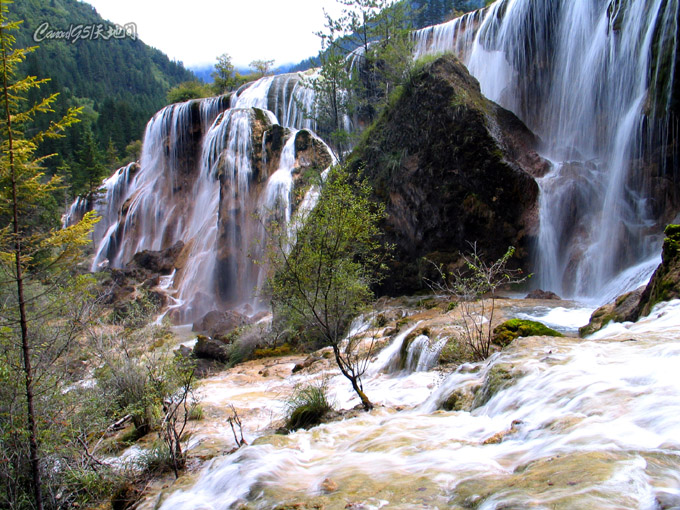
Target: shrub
[[158, 459], [475, 290], [307, 406]]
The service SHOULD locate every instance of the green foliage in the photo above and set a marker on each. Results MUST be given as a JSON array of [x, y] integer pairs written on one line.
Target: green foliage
[[157, 459], [324, 261], [196, 413], [475, 290], [140, 386], [357, 90], [225, 77], [506, 332], [89, 169], [44, 304], [223, 74], [332, 104], [324, 264], [261, 67], [307, 405], [133, 150], [188, 90], [137, 312]]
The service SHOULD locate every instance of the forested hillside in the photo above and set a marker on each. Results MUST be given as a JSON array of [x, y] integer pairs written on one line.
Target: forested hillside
[[119, 82]]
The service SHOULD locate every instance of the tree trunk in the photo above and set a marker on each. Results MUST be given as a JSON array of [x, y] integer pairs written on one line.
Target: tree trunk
[[354, 379], [23, 321]]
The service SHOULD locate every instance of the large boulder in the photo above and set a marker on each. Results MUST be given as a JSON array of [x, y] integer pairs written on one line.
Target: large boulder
[[219, 324], [542, 294], [622, 309], [159, 262], [451, 168], [212, 349], [665, 282]]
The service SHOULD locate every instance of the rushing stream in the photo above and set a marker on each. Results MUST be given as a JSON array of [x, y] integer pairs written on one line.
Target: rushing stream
[[558, 423]]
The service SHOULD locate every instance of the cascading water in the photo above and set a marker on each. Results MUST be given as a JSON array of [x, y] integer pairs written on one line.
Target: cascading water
[[555, 423], [582, 75], [198, 182]]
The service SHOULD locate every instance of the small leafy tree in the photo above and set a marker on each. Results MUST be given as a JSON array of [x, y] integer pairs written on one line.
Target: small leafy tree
[[178, 407], [324, 264], [475, 288], [225, 77], [262, 67], [332, 103], [188, 90], [133, 150]]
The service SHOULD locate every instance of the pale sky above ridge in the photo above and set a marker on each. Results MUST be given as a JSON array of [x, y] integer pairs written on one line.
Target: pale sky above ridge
[[197, 31]]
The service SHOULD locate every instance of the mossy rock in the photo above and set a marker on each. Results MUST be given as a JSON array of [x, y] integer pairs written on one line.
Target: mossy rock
[[498, 378], [461, 399], [620, 310], [665, 283], [455, 351], [403, 352], [441, 150], [505, 333], [273, 352]]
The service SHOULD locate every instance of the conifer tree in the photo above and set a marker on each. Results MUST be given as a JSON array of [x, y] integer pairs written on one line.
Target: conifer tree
[[34, 260], [89, 168]]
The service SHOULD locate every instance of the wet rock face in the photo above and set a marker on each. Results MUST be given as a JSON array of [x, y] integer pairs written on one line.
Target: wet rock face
[[665, 283], [623, 309], [451, 167], [160, 262], [219, 324], [141, 276]]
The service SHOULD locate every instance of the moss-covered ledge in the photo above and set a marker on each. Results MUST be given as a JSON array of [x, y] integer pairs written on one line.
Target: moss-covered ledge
[[665, 283]]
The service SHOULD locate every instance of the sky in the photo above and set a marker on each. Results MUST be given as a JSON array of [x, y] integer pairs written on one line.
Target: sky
[[196, 32]]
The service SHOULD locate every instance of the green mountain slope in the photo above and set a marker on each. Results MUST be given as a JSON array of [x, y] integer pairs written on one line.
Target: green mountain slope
[[121, 82]]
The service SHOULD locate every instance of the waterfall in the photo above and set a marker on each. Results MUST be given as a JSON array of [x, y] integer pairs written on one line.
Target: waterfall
[[203, 179], [196, 182], [583, 74], [423, 353]]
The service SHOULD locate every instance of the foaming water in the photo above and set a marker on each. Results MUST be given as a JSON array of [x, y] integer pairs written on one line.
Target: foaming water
[[576, 424], [565, 320]]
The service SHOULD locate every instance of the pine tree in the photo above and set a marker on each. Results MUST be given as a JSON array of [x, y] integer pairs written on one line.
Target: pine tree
[[89, 168], [33, 259]]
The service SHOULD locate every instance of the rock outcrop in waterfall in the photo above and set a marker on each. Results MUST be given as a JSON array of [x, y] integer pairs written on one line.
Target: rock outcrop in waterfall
[[452, 168]]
